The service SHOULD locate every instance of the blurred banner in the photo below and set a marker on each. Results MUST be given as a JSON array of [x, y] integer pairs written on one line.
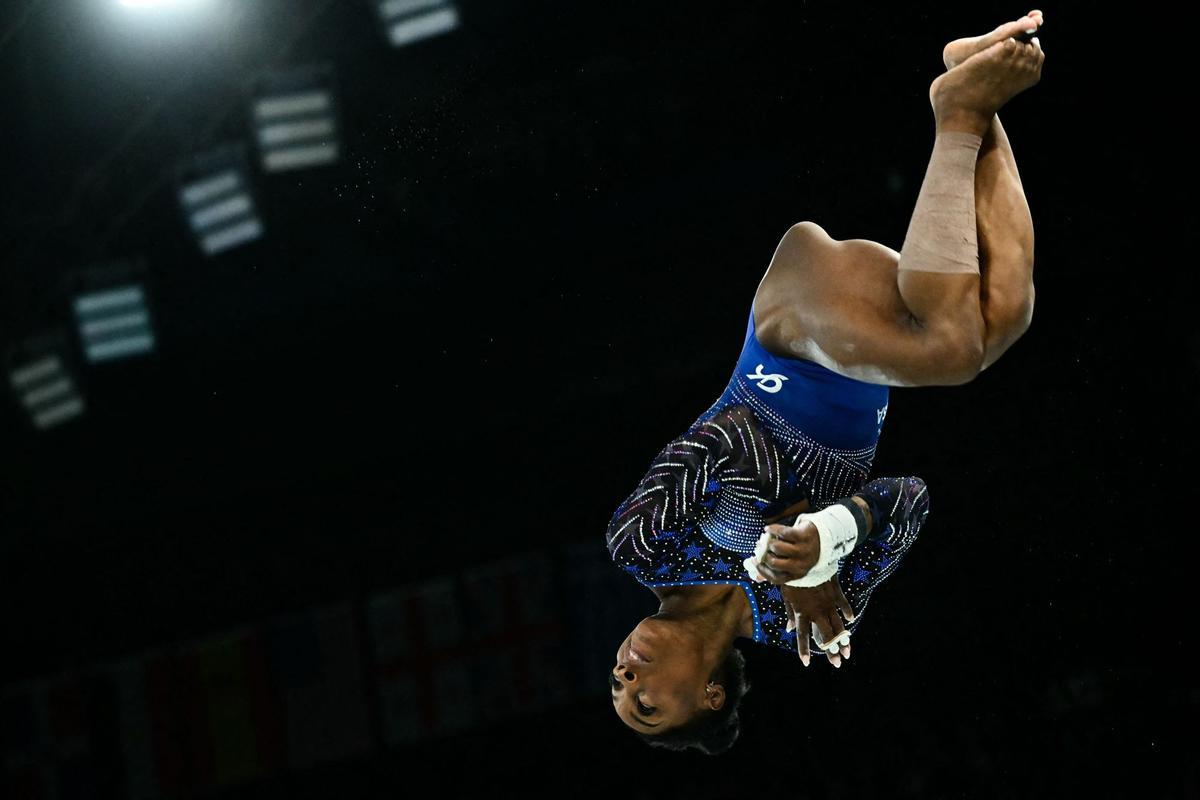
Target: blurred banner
[[244, 705], [493, 642], [451, 654]]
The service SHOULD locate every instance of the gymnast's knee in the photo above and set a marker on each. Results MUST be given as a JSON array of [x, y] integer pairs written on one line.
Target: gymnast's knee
[[956, 357], [1008, 316]]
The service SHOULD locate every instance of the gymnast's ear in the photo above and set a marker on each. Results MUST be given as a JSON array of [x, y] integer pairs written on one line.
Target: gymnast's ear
[[714, 696]]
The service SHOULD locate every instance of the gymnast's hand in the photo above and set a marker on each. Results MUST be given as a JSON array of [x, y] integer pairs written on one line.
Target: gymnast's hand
[[792, 552], [815, 609]]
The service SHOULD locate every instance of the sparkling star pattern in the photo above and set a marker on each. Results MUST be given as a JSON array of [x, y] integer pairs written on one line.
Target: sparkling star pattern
[[709, 480]]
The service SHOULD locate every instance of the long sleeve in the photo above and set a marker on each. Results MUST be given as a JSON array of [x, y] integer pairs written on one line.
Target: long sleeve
[[707, 479], [899, 507]]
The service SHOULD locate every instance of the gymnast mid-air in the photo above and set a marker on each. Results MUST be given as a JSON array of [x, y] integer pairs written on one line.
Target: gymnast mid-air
[[758, 522]]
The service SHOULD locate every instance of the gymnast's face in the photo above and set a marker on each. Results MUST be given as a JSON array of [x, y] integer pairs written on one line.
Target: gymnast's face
[[660, 681]]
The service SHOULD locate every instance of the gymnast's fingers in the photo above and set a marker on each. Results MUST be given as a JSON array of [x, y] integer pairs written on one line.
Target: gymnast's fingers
[[785, 561], [767, 571], [785, 568], [801, 532], [824, 628], [781, 551], [777, 573], [843, 603], [793, 549], [781, 547], [824, 644], [776, 528], [802, 626], [838, 642]]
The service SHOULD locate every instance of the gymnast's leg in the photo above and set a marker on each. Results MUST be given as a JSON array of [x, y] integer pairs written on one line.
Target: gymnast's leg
[[1004, 225], [939, 273], [913, 317]]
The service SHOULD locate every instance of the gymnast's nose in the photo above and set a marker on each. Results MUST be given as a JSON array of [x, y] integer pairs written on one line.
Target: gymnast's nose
[[625, 674]]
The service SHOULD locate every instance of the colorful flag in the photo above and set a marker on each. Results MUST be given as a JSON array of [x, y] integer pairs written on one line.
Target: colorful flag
[[61, 739], [519, 663], [316, 668], [229, 697], [451, 654], [136, 743], [424, 683]]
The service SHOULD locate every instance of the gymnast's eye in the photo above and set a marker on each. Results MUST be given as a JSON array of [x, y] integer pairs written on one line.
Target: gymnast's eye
[[644, 710]]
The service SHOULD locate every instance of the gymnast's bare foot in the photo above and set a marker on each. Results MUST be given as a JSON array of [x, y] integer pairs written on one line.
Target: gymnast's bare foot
[[960, 50], [968, 96]]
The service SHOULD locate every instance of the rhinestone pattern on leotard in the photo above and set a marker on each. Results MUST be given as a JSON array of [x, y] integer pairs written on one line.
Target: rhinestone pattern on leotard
[[701, 506]]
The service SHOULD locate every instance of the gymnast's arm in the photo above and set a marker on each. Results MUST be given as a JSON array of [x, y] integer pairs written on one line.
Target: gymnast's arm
[[894, 511], [667, 499], [684, 480], [793, 550]]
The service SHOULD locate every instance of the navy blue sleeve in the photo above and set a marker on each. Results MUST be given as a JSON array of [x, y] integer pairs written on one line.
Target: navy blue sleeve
[[899, 507], [726, 453], [682, 479]]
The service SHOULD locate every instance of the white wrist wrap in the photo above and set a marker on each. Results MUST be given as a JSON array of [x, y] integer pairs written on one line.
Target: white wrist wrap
[[838, 534]]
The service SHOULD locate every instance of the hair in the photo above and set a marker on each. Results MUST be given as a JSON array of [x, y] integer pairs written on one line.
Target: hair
[[711, 732]]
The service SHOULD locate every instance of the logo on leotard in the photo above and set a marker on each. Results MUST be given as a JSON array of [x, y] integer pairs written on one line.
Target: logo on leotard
[[880, 414], [768, 383]]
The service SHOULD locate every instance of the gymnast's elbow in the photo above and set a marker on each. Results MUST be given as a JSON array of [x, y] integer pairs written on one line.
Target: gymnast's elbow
[[1025, 312]]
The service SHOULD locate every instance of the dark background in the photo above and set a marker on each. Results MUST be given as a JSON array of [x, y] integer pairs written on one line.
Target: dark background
[[530, 269]]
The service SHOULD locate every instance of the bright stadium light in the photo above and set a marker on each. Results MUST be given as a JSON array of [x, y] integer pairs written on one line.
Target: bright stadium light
[[408, 21], [214, 193], [295, 119], [43, 381], [112, 314], [145, 4]]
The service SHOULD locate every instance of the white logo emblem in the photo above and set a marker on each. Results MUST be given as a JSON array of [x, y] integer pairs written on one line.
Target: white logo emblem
[[880, 414], [768, 383]]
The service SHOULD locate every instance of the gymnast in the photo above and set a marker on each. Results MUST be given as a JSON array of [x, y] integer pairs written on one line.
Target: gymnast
[[758, 522]]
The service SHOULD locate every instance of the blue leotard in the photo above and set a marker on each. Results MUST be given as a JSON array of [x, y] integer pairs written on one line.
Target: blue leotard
[[802, 396], [784, 430]]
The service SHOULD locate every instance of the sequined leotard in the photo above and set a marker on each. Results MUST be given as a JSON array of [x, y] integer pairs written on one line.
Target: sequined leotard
[[783, 430]]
